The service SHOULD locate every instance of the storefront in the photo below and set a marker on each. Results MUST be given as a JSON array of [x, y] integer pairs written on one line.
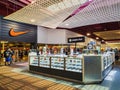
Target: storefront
[[16, 33]]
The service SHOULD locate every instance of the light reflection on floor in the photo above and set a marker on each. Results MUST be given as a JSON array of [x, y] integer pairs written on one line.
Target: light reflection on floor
[[111, 75]]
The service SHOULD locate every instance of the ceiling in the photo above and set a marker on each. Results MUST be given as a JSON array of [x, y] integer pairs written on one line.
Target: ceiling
[[99, 18], [9, 6]]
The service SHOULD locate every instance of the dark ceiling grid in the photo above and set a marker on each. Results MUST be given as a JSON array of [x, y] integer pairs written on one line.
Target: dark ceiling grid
[[9, 6]]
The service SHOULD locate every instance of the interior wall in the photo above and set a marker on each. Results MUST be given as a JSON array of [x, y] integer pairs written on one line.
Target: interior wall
[[54, 36], [50, 36], [42, 35], [110, 45], [59, 36]]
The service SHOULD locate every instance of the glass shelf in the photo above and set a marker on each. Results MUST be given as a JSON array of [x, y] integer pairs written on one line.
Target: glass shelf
[[74, 64], [34, 60], [107, 60], [45, 62], [57, 63]]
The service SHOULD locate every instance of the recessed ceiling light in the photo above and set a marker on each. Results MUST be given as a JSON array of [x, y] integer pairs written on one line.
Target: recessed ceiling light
[[33, 1], [88, 34], [97, 38], [32, 20], [102, 40]]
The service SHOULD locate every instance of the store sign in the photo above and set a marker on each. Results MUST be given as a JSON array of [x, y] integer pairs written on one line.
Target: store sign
[[34, 60], [76, 39]]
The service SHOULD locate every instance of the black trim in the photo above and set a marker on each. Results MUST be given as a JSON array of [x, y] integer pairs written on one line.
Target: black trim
[[56, 72]]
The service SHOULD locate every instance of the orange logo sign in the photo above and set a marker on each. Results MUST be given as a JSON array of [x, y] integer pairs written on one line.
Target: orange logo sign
[[14, 34]]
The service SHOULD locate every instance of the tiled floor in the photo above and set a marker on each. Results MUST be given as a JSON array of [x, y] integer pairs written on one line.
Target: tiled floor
[[10, 80], [16, 77], [112, 81]]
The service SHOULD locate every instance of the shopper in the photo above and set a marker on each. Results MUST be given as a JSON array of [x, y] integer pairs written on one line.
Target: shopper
[[0, 57], [16, 53], [20, 55], [116, 54], [8, 56]]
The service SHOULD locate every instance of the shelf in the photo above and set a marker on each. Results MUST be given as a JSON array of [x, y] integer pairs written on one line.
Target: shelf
[[34, 61], [57, 63], [44, 62], [73, 64]]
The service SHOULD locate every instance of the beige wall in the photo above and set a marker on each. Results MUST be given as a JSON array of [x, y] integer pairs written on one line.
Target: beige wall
[[110, 45]]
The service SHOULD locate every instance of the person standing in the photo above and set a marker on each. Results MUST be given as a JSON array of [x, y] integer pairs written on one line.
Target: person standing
[[8, 56], [116, 54], [16, 53]]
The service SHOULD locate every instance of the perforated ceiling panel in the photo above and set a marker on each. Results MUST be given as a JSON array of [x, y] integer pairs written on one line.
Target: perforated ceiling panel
[[98, 11], [48, 13]]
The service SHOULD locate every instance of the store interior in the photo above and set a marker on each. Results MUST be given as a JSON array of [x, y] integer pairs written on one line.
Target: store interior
[[49, 54]]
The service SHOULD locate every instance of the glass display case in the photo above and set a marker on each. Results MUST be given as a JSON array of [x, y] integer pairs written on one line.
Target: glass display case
[[81, 67], [73, 64], [107, 60], [44, 61], [33, 60], [57, 63]]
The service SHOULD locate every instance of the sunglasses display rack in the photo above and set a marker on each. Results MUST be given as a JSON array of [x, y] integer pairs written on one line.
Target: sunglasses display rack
[[44, 61], [33, 60], [86, 68], [73, 64], [107, 60], [57, 63]]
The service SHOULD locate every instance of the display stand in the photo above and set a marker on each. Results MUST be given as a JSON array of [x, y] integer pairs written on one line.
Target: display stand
[[85, 68]]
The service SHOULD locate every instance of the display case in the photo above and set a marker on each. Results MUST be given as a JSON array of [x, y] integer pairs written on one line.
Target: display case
[[105, 61], [73, 64], [44, 61], [108, 59], [57, 63], [33, 60], [85, 68]]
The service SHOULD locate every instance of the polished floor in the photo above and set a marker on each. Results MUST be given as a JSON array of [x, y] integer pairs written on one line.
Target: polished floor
[[17, 77], [112, 81]]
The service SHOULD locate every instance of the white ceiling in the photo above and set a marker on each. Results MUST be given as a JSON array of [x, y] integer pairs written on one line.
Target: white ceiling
[[52, 13], [99, 11], [48, 13]]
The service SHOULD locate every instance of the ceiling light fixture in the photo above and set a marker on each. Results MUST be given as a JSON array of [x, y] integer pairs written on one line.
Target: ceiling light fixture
[[97, 38], [88, 34], [102, 40], [32, 20], [90, 0], [33, 1]]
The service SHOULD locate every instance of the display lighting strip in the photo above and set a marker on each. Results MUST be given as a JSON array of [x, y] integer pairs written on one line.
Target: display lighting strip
[[48, 13], [98, 11]]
